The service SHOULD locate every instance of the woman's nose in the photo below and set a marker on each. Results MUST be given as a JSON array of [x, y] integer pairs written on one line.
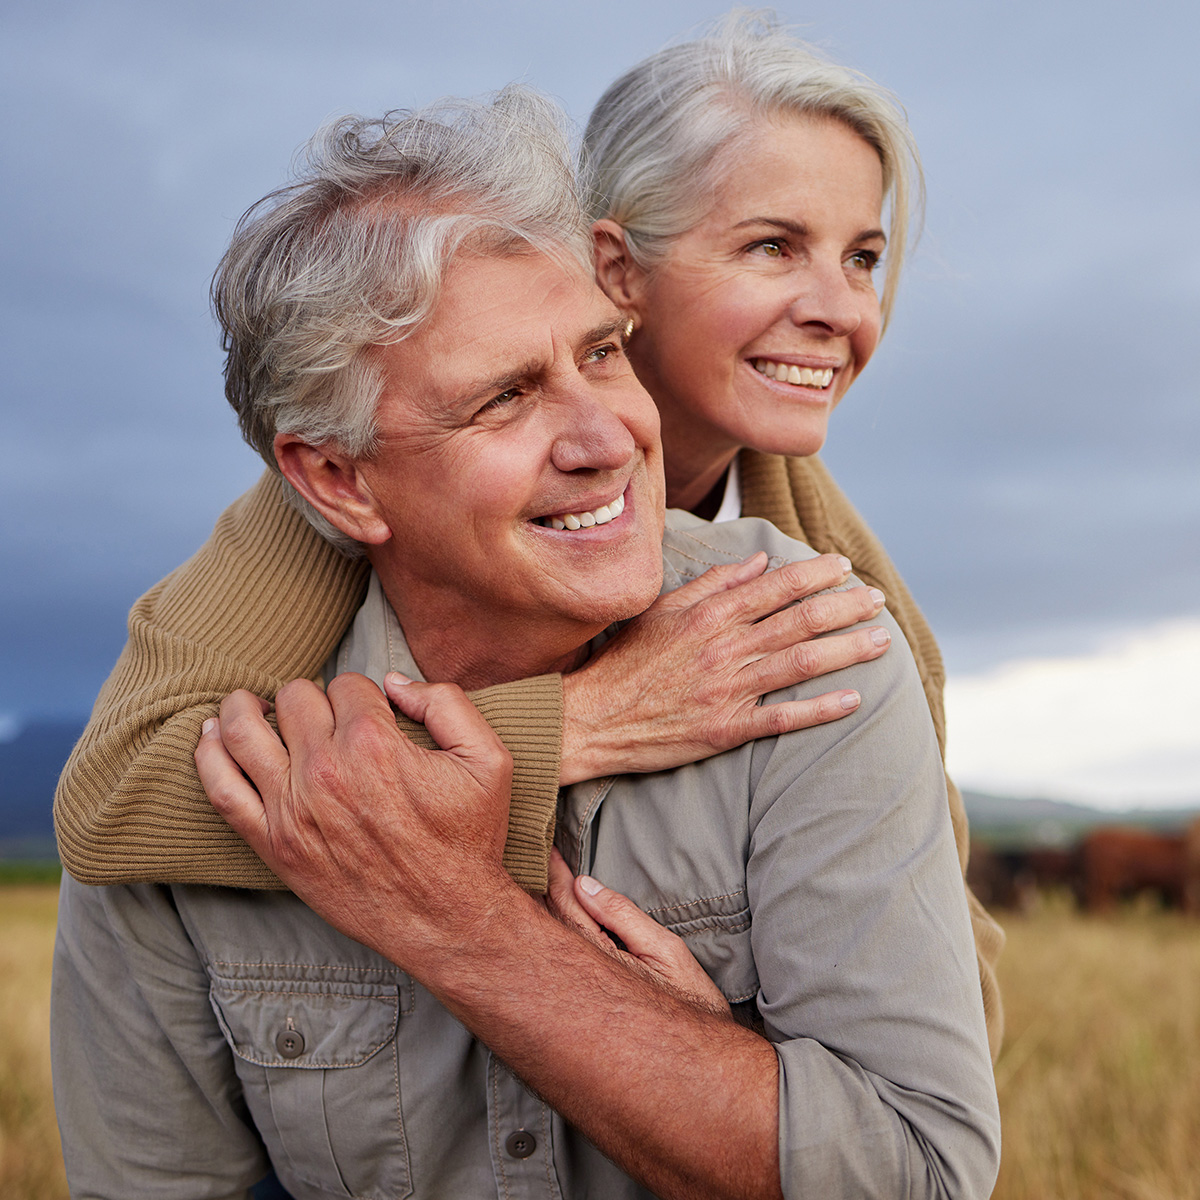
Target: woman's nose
[[828, 300]]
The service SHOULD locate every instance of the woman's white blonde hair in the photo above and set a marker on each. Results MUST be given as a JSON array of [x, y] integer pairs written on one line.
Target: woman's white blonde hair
[[653, 146]]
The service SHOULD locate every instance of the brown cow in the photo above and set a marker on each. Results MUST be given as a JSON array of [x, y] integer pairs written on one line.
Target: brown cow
[[1119, 863], [1016, 878], [1191, 867]]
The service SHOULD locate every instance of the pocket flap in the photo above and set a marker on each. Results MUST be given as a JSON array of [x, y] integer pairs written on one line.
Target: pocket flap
[[303, 1023]]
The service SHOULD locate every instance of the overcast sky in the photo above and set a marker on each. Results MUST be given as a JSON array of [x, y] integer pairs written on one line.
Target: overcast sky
[[1026, 442]]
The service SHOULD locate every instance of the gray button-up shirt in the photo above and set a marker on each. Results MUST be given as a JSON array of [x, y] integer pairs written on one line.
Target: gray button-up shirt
[[200, 1032]]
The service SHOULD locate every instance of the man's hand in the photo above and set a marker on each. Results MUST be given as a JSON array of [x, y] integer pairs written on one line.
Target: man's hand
[[361, 824], [683, 680], [585, 904]]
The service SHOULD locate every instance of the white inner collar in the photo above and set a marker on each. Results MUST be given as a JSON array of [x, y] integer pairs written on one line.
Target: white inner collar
[[731, 502]]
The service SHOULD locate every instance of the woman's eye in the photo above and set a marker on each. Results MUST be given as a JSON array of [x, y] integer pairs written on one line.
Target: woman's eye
[[771, 247], [864, 260]]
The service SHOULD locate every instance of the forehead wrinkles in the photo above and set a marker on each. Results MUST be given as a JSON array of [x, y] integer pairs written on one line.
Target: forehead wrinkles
[[511, 321]]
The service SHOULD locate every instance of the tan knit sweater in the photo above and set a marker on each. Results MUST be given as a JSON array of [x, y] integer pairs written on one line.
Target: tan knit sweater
[[266, 600]]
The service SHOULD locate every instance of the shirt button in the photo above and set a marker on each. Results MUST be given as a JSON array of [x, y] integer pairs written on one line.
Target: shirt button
[[520, 1144], [290, 1043]]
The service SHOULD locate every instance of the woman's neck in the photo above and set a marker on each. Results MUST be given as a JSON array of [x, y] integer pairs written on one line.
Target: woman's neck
[[698, 486]]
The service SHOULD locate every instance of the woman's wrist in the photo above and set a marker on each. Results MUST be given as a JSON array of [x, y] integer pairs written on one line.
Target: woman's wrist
[[582, 752]]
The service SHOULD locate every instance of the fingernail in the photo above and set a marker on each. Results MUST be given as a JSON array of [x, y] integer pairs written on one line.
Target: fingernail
[[396, 677], [209, 725], [590, 885], [845, 563], [880, 637], [850, 700], [877, 597]]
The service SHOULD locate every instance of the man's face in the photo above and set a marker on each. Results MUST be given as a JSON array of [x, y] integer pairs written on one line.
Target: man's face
[[510, 422]]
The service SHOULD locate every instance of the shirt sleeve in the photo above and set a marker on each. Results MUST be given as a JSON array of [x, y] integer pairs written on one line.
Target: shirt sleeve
[[148, 1101], [864, 952]]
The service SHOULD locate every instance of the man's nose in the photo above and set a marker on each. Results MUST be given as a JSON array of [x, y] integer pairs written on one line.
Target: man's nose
[[592, 436]]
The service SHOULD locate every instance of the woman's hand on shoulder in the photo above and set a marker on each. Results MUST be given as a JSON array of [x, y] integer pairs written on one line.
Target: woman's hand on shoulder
[[683, 681]]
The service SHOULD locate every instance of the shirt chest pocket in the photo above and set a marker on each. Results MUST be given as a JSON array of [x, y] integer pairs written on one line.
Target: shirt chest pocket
[[316, 1055], [716, 929]]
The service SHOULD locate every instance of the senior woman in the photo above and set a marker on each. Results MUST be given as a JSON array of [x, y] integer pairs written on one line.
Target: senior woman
[[738, 183]]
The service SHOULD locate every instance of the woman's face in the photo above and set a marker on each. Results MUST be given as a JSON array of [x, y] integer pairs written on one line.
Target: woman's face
[[763, 314]]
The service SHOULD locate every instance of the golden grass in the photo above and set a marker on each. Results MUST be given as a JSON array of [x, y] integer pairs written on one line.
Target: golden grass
[[1099, 1080], [30, 1158]]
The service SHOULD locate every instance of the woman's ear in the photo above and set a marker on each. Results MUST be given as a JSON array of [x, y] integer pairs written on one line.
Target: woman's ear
[[618, 275], [332, 483]]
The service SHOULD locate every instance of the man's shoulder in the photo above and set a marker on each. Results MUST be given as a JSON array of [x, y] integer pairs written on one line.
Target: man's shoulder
[[691, 545]]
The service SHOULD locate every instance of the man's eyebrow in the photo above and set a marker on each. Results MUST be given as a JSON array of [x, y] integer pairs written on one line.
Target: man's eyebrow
[[800, 230], [605, 330], [528, 370], [499, 383]]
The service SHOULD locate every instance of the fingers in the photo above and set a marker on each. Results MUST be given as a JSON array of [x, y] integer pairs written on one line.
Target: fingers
[[643, 936], [771, 720], [231, 793], [454, 723], [304, 716], [716, 580], [821, 656], [773, 590], [254, 746], [562, 901], [822, 613], [660, 951]]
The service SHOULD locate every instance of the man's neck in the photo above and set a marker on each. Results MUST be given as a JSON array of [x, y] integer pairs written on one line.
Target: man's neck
[[477, 650], [474, 667]]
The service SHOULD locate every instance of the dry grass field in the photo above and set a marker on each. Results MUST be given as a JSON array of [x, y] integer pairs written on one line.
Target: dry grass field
[[30, 1160], [1099, 1081], [1100, 1075]]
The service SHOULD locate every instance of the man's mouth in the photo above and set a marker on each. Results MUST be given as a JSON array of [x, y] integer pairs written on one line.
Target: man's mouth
[[585, 520], [797, 376]]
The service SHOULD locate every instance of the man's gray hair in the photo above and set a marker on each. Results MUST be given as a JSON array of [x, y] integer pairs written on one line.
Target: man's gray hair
[[352, 255], [656, 134]]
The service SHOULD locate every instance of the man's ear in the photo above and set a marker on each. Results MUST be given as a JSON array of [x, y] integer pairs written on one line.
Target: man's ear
[[334, 486], [618, 275]]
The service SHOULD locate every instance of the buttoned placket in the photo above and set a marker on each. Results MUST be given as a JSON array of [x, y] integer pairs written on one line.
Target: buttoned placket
[[578, 806], [521, 1136]]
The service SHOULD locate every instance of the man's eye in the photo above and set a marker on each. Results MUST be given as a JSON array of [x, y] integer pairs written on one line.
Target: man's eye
[[498, 402], [602, 353]]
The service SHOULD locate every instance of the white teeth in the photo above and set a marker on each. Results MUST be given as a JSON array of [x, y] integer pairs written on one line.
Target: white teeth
[[801, 376], [585, 520]]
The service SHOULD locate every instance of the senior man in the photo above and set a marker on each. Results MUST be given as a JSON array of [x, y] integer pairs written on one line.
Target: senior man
[[422, 1026]]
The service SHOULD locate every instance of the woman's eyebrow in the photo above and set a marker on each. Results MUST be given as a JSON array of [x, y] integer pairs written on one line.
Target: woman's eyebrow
[[800, 230], [796, 228]]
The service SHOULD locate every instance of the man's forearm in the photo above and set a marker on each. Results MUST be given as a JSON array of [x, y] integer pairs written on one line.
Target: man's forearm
[[682, 1099]]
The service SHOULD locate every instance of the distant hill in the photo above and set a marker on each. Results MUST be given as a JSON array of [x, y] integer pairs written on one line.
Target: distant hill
[[1006, 821], [29, 770]]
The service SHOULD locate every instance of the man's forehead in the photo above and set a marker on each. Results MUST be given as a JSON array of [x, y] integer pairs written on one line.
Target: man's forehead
[[503, 317]]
